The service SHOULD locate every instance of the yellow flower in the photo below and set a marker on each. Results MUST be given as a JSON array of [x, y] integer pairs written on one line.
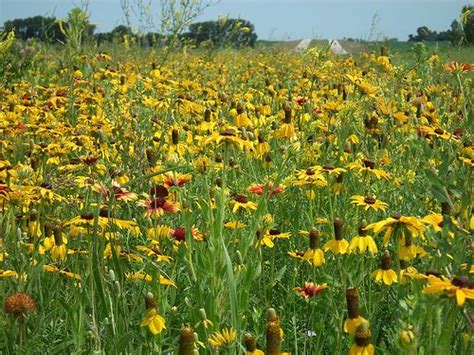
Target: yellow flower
[[264, 239], [314, 256], [8, 274], [387, 276], [241, 201], [222, 338], [363, 243], [368, 202], [286, 131], [408, 273], [368, 167], [338, 245], [313, 176], [362, 345], [459, 287], [53, 268], [228, 135], [234, 225], [385, 273], [412, 224], [153, 321]]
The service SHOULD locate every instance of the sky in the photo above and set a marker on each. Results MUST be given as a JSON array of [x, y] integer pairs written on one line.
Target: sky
[[279, 19]]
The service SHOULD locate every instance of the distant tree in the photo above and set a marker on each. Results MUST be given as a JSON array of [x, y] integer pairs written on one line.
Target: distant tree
[[456, 33], [42, 28], [467, 20], [224, 32], [120, 31]]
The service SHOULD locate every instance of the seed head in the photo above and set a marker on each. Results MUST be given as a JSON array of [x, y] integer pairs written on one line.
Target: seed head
[[19, 303]]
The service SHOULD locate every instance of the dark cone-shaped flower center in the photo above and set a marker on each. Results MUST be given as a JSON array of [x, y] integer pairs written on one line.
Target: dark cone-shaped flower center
[[338, 228], [352, 299], [159, 191], [313, 238], [368, 163], [228, 133], [461, 281], [174, 136], [369, 200], [241, 199], [250, 343], [386, 261], [362, 336]]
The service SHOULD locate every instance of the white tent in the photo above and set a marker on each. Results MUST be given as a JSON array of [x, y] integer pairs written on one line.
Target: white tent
[[336, 47], [303, 45]]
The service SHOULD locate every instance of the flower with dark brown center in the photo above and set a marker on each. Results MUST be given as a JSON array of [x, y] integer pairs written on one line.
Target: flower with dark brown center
[[19, 303], [90, 160]]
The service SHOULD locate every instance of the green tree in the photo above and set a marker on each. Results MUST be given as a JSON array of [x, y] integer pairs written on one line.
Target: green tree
[[467, 21], [224, 32], [45, 29]]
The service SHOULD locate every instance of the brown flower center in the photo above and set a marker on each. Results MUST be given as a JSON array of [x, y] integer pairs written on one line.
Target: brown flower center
[[228, 133], [241, 199], [368, 163], [462, 282], [369, 200]]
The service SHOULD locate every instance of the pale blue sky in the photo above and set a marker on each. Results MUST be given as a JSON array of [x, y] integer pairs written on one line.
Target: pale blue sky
[[281, 19]]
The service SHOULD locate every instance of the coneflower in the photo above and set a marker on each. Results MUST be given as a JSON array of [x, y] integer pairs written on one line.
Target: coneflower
[[273, 333], [313, 254], [362, 344], [338, 245], [353, 312], [385, 273], [186, 341]]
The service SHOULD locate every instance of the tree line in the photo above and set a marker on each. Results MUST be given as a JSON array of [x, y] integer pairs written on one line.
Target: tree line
[[461, 31], [223, 32]]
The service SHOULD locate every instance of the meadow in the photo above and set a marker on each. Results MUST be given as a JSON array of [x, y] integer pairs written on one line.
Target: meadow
[[236, 201]]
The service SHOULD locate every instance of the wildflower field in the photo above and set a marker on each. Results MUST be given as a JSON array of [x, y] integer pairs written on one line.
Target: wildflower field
[[236, 201]]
